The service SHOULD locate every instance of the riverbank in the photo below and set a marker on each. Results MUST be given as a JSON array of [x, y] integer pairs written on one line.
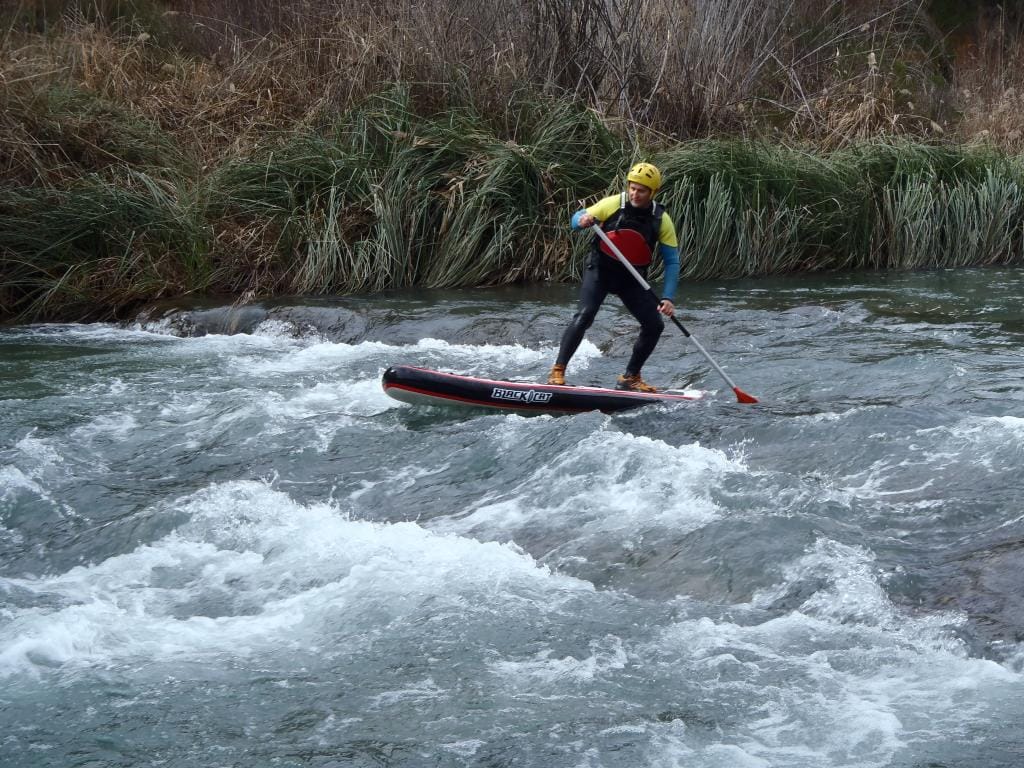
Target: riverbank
[[152, 154]]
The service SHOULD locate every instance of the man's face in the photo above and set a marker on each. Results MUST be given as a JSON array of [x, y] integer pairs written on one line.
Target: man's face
[[639, 195]]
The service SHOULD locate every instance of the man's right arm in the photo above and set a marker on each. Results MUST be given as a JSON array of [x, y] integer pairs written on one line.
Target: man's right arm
[[599, 211]]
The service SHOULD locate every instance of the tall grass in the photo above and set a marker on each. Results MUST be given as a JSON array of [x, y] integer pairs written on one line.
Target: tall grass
[[374, 205], [97, 246], [929, 223], [268, 147], [387, 199], [754, 209]]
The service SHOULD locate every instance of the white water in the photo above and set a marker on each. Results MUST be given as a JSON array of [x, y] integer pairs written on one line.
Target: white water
[[239, 547]]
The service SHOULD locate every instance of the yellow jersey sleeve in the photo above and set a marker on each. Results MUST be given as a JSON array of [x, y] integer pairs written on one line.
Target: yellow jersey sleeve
[[606, 206], [667, 233]]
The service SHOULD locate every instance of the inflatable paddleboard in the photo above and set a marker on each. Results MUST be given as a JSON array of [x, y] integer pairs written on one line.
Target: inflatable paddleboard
[[423, 386]]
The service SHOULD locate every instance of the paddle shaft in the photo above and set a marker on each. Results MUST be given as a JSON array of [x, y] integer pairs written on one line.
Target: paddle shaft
[[742, 396]]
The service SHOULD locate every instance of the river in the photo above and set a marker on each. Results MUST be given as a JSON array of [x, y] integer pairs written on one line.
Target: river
[[221, 544]]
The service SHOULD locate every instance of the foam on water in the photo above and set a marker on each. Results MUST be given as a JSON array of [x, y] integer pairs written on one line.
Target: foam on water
[[471, 359], [348, 398], [86, 332], [923, 467], [546, 669], [842, 585], [13, 483], [834, 416], [114, 426], [842, 669], [288, 330], [671, 746], [35, 465], [154, 339], [183, 408], [327, 408], [607, 483], [322, 356], [994, 443], [41, 451], [13, 480], [250, 570]]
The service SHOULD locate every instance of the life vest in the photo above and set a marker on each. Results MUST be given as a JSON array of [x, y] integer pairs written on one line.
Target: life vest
[[635, 232]]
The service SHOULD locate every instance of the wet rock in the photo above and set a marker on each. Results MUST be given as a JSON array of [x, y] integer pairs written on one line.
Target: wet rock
[[987, 589]]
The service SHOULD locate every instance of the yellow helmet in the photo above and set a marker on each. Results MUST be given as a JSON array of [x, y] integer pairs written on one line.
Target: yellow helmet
[[646, 174]]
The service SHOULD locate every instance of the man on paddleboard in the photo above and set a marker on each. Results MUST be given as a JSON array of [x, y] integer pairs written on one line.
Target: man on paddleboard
[[639, 227]]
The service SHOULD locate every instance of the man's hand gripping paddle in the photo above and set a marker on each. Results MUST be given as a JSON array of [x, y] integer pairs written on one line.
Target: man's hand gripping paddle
[[741, 396]]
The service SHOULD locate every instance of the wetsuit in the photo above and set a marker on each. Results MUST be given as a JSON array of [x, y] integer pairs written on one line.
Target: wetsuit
[[604, 274]]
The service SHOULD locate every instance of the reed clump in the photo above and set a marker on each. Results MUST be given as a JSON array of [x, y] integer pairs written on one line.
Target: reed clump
[[266, 148]]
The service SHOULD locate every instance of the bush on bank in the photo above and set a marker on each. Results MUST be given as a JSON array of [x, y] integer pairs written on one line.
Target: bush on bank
[[140, 162], [386, 199]]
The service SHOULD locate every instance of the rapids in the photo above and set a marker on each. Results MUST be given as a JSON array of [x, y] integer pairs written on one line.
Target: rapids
[[221, 544]]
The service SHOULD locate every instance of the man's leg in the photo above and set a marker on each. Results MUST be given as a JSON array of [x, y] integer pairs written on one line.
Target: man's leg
[[592, 294], [644, 308]]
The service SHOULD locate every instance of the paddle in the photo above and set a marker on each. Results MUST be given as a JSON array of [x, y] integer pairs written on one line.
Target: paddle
[[741, 396]]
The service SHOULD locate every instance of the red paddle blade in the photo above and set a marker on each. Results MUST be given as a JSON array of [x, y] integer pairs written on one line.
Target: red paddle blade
[[743, 397]]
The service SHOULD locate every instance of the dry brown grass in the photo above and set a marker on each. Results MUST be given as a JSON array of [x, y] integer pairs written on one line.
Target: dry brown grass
[[863, 70], [988, 84], [861, 109], [221, 76]]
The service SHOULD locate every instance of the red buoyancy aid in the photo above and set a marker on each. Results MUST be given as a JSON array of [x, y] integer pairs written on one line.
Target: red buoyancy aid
[[634, 231]]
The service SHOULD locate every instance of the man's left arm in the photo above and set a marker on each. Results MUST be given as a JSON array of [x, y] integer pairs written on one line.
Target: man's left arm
[[668, 250]]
